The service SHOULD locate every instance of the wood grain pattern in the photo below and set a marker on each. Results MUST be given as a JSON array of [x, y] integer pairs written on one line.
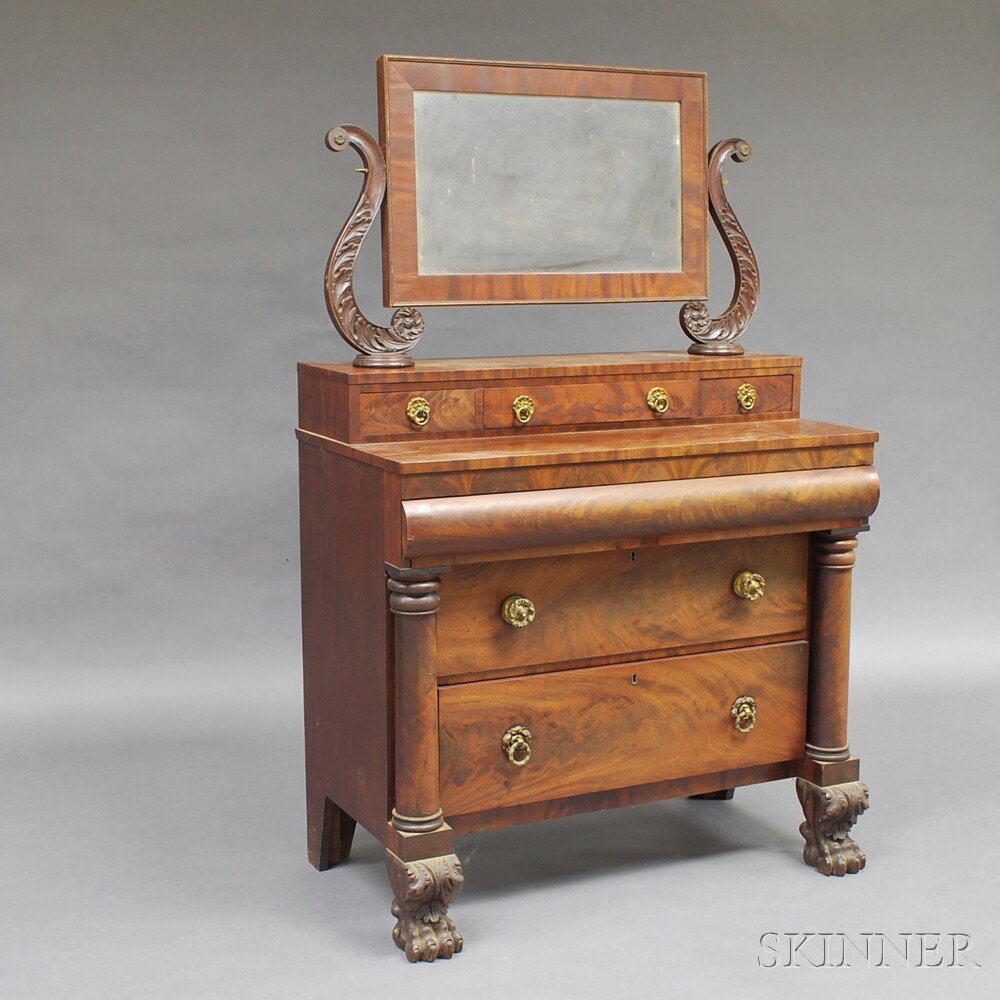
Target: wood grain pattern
[[555, 477], [606, 727], [589, 403], [345, 646], [718, 396], [418, 456], [620, 798], [400, 76], [619, 602], [490, 524], [385, 412], [545, 366]]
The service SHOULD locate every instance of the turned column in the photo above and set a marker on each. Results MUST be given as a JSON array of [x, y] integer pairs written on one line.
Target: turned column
[[832, 557], [831, 796], [414, 598], [424, 874]]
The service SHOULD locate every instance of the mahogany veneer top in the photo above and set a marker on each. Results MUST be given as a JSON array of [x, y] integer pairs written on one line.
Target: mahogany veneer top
[[456, 454], [550, 365]]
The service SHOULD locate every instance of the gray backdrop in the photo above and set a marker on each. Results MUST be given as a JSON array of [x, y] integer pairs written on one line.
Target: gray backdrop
[[168, 209]]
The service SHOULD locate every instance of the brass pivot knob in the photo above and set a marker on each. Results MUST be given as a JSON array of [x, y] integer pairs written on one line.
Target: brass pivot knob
[[746, 396], [749, 586], [516, 744], [524, 409], [517, 611], [744, 713], [418, 410], [658, 400]]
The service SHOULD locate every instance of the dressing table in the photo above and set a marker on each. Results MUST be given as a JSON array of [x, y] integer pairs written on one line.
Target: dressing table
[[539, 586]]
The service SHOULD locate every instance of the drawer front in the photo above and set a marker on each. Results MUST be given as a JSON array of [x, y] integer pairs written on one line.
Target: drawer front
[[601, 728], [722, 397], [446, 410], [618, 603], [590, 403]]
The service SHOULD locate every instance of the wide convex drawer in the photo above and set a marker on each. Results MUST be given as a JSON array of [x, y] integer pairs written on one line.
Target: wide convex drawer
[[646, 400], [527, 739], [517, 613]]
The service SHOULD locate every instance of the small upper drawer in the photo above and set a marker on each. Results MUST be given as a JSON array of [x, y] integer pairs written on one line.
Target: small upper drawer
[[589, 403], [526, 612], [727, 397], [428, 410]]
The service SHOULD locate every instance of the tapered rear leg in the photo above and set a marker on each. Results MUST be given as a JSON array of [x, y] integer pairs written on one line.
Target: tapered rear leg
[[331, 833], [722, 795]]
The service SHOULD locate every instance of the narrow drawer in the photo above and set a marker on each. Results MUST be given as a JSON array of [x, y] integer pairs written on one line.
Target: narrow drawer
[[603, 728], [399, 412], [591, 403], [729, 397], [619, 603]]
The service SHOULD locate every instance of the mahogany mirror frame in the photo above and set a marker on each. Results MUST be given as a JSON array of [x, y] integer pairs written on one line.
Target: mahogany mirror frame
[[403, 284]]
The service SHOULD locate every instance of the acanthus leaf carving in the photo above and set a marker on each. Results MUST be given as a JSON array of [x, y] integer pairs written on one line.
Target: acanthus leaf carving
[[719, 335], [376, 345]]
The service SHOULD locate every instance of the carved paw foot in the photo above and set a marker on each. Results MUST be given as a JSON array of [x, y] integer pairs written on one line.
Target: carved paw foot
[[830, 813], [422, 891]]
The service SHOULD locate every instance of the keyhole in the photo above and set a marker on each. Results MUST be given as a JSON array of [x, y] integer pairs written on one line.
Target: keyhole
[[635, 678], [631, 556]]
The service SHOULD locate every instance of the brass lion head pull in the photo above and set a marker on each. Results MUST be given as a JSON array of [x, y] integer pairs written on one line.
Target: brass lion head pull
[[746, 396], [517, 611], [418, 410], [749, 586], [658, 400], [744, 713], [516, 744], [524, 409]]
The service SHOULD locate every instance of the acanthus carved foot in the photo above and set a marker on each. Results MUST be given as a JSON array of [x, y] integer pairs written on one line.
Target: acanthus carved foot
[[422, 891], [830, 813]]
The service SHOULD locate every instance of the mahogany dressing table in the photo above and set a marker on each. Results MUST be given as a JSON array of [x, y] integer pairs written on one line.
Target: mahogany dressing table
[[539, 586]]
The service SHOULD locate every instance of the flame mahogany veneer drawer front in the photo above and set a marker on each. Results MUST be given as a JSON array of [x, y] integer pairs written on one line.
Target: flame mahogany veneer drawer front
[[448, 410], [601, 728], [590, 402], [606, 604], [720, 397]]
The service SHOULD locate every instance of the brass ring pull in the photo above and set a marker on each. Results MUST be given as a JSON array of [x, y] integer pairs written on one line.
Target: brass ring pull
[[418, 410], [517, 611], [744, 713], [516, 744], [749, 586], [746, 396], [524, 409], [658, 400]]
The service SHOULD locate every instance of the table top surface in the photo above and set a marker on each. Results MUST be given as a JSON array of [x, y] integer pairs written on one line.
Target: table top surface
[[518, 451]]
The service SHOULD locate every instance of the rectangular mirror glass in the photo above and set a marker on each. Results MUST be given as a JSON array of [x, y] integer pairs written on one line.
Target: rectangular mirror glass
[[510, 184]]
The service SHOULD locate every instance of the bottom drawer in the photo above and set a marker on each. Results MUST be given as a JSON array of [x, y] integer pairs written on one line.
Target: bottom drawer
[[600, 728]]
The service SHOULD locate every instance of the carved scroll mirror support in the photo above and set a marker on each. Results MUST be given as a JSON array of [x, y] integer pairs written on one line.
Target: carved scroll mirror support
[[377, 346], [719, 336]]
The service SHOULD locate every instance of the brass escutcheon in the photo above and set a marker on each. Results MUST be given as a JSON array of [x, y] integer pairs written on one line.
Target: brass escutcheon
[[746, 396], [658, 400], [749, 585], [744, 713], [517, 611], [516, 744], [524, 409], [418, 410]]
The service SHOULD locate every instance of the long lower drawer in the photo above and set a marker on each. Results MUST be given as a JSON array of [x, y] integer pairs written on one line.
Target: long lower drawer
[[597, 728]]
